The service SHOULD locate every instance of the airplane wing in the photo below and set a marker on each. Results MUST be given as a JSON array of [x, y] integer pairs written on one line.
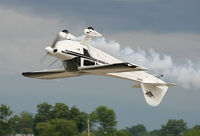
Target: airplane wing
[[101, 69], [111, 68], [51, 74]]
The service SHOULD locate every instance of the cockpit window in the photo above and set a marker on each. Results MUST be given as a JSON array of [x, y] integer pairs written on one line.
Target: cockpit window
[[88, 63]]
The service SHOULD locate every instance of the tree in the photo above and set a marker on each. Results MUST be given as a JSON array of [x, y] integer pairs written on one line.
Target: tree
[[61, 110], [5, 113], [173, 128], [57, 127], [25, 123], [155, 133], [47, 112], [80, 118], [86, 134], [106, 118], [44, 113], [123, 133], [195, 131], [14, 121], [5, 124], [138, 130]]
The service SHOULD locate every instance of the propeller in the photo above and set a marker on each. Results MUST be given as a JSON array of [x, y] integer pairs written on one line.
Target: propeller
[[54, 42], [52, 46], [62, 34]]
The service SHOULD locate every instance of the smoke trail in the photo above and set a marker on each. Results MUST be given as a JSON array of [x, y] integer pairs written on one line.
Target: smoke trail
[[186, 75]]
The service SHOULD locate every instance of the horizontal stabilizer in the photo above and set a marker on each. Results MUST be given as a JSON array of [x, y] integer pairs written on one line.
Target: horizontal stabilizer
[[155, 84], [161, 84], [50, 74], [136, 85], [111, 68]]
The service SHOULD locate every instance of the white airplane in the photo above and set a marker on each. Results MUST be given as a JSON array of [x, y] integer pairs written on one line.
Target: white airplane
[[80, 58]]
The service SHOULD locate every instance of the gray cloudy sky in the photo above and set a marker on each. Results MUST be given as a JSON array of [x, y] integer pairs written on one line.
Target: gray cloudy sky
[[170, 27]]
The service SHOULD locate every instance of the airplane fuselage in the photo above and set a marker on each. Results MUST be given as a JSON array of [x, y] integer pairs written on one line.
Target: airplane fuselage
[[71, 52], [88, 55]]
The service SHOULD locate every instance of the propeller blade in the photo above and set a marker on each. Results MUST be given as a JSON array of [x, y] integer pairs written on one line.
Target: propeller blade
[[43, 58], [54, 42], [52, 63]]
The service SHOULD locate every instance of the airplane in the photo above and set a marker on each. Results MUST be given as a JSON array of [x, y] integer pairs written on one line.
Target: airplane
[[79, 58]]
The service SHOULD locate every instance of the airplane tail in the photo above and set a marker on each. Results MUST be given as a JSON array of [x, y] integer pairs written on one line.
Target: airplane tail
[[153, 92]]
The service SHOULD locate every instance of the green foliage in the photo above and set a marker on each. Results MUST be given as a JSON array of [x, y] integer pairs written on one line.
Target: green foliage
[[155, 133], [5, 124], [24, 123], [60, 120], [5, 113], [173, 128], [106, 118], [47, 112], [57, 127], [123, 133], [44, 112], [86, 134], [80, 118], [14, 121], [195, 131], [138, 130], [60, 110]]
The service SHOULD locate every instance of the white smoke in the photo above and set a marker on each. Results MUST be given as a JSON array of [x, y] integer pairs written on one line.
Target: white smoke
[[186, 75]]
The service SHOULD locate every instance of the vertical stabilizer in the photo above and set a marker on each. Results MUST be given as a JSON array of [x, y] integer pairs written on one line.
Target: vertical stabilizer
[[153, 93]]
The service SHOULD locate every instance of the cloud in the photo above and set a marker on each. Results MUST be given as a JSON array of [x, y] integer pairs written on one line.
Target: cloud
[[185, 74], [151, 15], [181, 46]]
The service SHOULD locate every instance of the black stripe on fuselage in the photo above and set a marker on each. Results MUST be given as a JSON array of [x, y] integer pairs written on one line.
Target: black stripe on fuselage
[[83, 56]]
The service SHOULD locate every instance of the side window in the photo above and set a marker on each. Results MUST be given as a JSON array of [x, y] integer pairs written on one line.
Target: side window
[[86, 53], [88, 63]]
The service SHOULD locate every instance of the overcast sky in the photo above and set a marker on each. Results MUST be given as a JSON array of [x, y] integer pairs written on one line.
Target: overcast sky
[[169, 27]]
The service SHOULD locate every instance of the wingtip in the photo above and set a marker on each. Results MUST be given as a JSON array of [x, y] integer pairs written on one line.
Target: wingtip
[[25, 74], [142, 69], [171, 84]]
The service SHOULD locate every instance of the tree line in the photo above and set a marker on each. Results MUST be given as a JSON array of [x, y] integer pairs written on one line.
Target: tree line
[[61, 120]]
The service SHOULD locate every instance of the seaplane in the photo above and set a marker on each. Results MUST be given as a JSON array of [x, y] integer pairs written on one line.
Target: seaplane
[[79, 58]]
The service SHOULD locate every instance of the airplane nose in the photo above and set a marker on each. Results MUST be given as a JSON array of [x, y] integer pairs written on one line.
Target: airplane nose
[[49, 49]]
